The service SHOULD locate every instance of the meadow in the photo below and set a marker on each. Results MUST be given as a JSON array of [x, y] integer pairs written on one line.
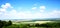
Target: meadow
[[34, 24]]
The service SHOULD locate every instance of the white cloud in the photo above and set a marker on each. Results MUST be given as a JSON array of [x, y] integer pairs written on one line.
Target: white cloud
[[3, 10], [13, 14], [34, 8], [27, 15], [5, 6], [42, 8]]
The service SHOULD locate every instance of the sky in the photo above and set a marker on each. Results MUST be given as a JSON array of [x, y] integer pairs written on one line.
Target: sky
[[29, 9]]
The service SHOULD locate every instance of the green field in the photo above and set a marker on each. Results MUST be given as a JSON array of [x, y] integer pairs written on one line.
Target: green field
[[35, 24]]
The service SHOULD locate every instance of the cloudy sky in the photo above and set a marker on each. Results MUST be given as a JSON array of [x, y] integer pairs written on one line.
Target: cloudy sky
[[29, 9]]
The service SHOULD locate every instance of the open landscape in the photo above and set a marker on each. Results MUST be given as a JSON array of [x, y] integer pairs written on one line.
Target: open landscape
[[33, 24], [29, 13]]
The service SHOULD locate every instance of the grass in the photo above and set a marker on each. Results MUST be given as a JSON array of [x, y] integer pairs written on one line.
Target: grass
[[24, 24]]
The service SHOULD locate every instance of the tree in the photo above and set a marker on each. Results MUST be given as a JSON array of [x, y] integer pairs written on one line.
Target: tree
[[10, 22], [1, 24], [4, 23]]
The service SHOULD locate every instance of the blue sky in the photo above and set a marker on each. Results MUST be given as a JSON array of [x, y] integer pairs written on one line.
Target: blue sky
[[24, 9]]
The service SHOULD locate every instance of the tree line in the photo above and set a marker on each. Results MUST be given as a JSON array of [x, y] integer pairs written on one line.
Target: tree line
[[5, 23], [45, 25]]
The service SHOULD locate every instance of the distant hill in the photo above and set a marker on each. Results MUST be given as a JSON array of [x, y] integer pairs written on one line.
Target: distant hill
[[51, 19], [37, 19]]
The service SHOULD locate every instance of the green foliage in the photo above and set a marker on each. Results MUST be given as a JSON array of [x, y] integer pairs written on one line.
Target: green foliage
[[33, 25], [10, 23], [4, 23]]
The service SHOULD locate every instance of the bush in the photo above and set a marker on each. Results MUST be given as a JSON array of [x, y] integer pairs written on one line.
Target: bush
[[4, 23]]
